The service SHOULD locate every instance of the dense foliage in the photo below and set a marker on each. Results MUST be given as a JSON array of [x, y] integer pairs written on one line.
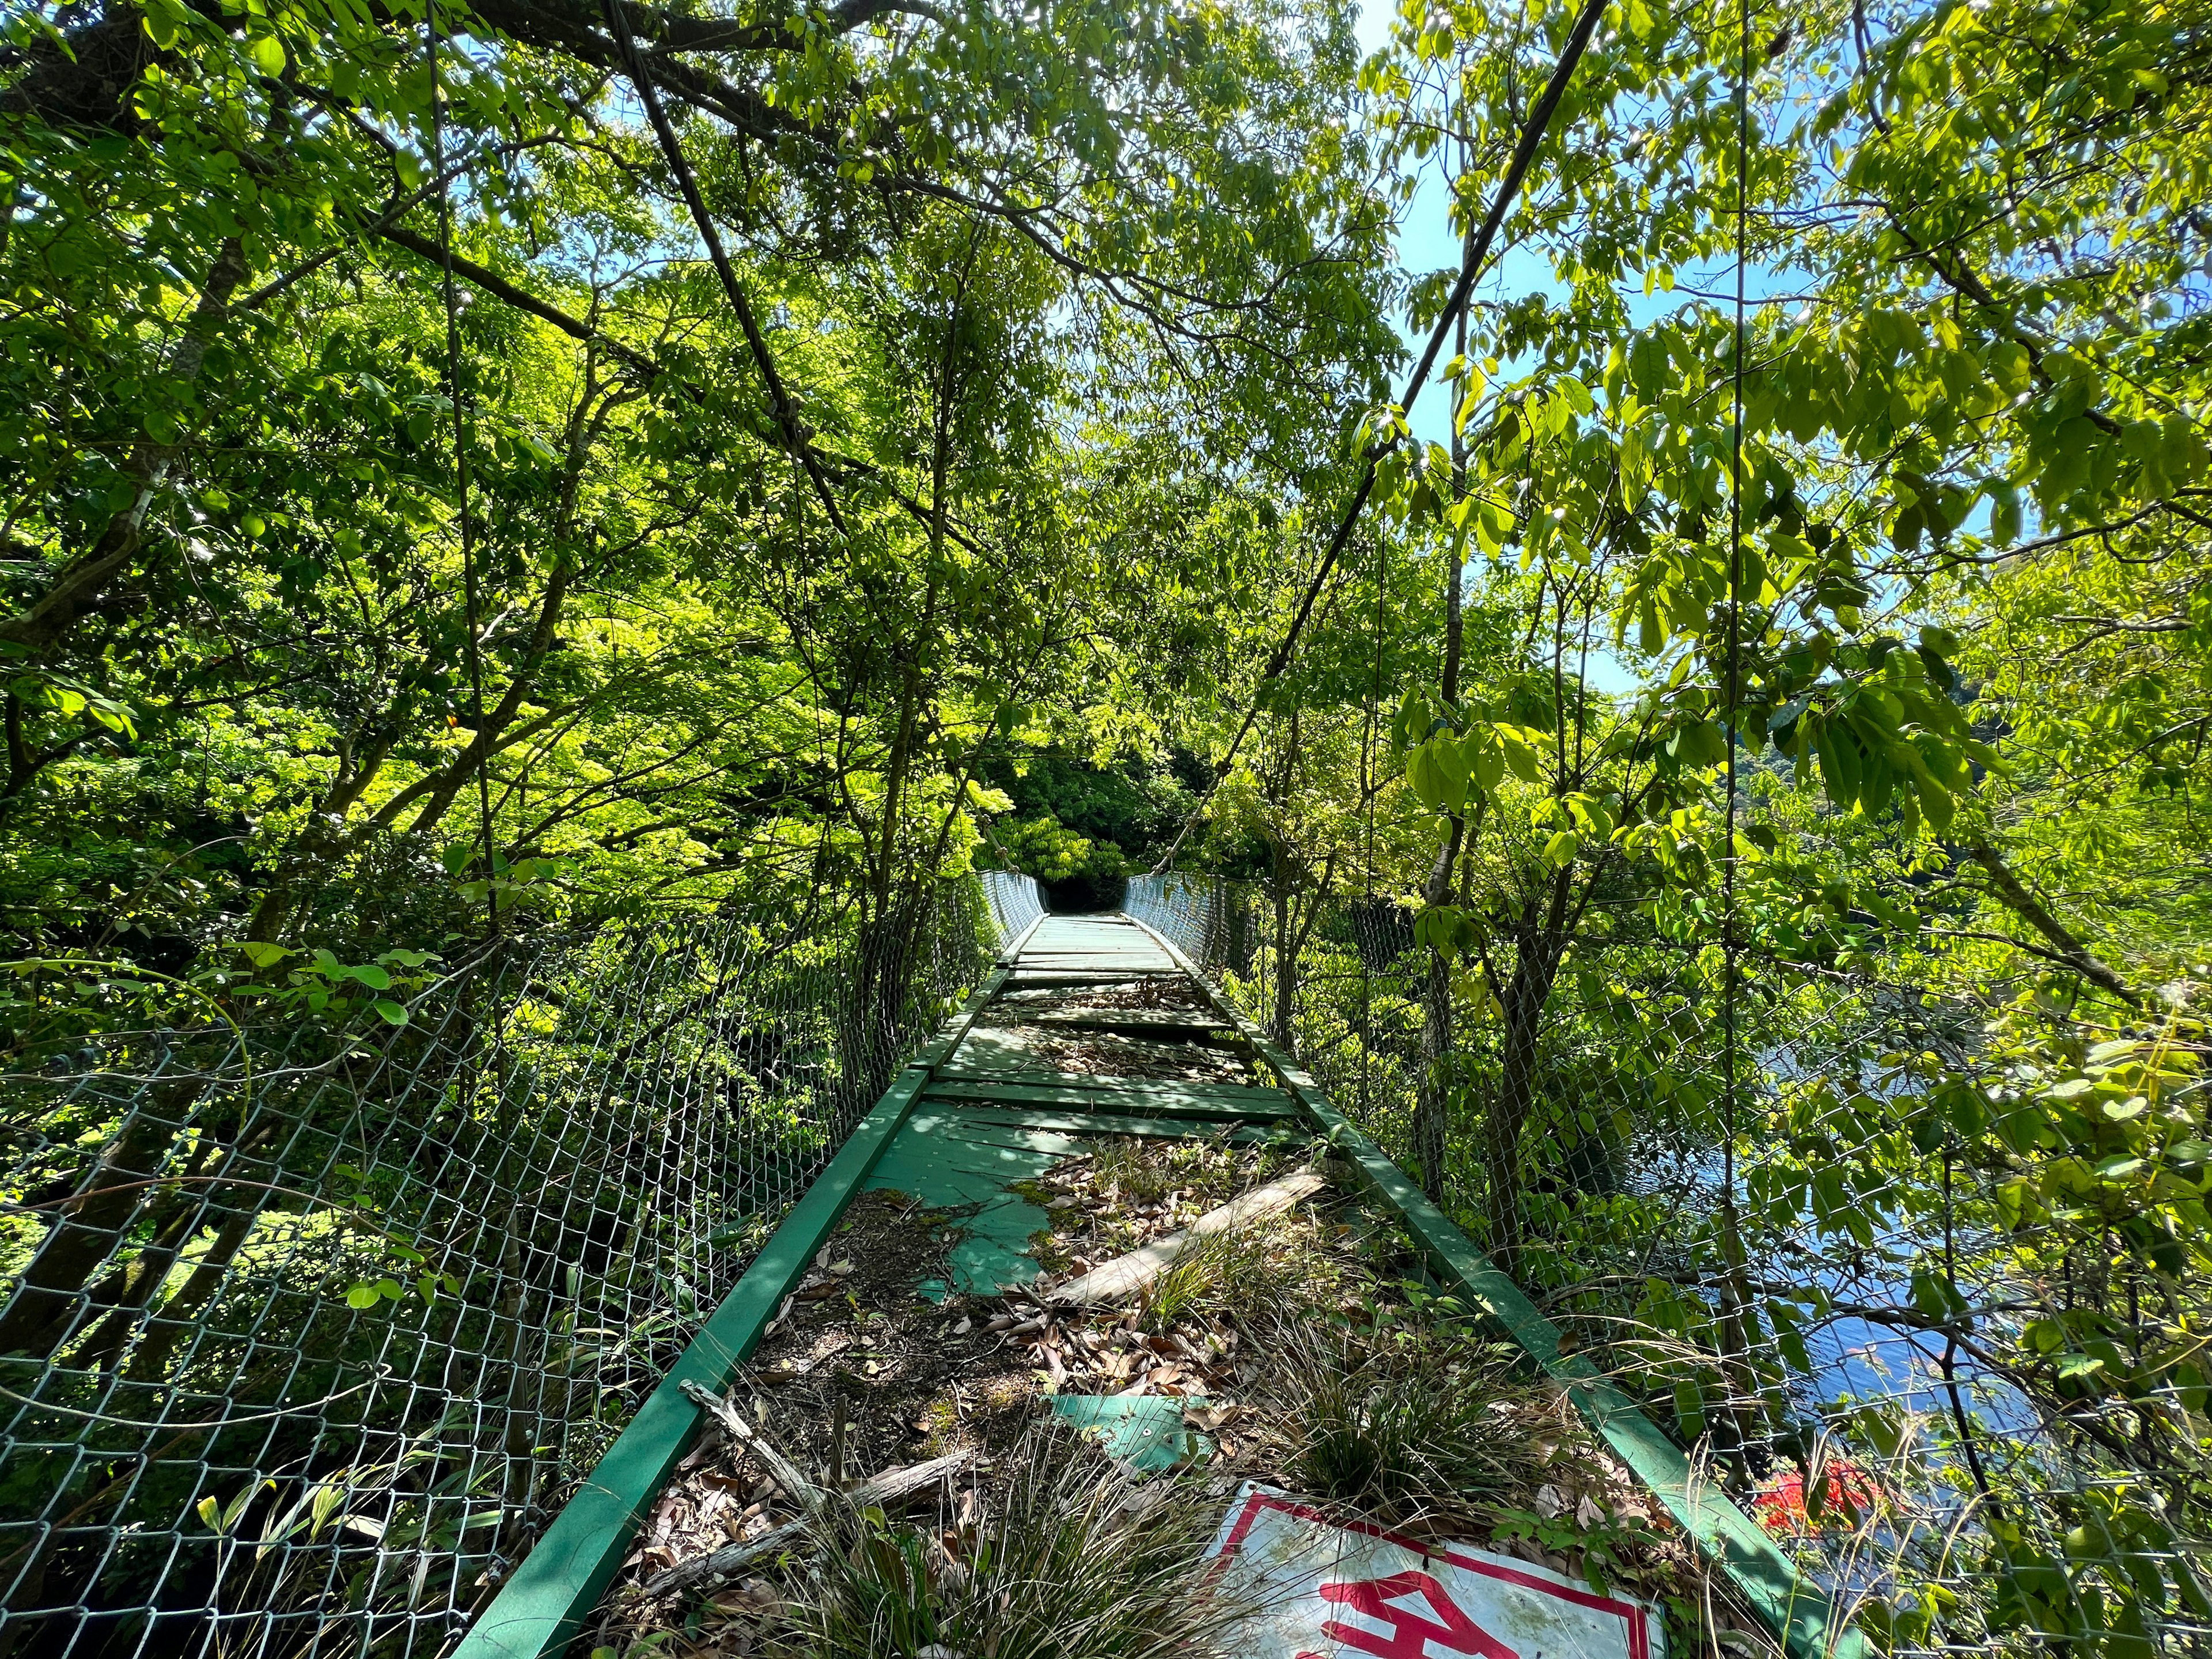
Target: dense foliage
[[468, 469]]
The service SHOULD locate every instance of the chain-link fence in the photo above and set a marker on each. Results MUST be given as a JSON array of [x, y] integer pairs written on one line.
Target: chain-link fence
[[1920, 1277], [310, 1327], [1015, 902]]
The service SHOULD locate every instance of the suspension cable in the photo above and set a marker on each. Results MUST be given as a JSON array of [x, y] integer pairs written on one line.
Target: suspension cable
[[1735, 1332], [1478, 255], [471, 652], [785, 411]]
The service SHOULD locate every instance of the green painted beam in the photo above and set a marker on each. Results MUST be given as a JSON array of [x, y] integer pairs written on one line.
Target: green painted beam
[[1796, 1611], [559, 1584]]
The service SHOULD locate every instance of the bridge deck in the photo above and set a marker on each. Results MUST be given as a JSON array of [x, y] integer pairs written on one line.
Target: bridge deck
[[1092, 1027], [1096, 1031]]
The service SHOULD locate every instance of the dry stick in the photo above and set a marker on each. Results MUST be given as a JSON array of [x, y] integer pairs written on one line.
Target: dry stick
[[787, 417], [1125, 1276], [886, 1487], [1532, 135], [780, 1468]]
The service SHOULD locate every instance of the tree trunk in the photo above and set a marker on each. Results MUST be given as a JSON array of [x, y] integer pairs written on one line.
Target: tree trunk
[[174, 1322], [91, 1225], [1432, 1088], [84, 579], [125, 1292], [1539, 952]]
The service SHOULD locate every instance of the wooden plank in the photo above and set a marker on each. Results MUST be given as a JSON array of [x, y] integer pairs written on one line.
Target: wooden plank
[[1199, 1120], [1238, 1133], [1125, 1276], [1159, 1103], [1056, 980], [1136, 1021], [1793, 1607], [559, 1584], [1131, 1087]]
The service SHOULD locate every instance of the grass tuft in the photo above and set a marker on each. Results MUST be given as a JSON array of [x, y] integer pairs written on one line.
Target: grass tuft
[[1406, 1425], [1077, 1561]]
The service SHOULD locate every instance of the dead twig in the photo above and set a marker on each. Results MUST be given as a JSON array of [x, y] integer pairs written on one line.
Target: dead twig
[[883, 1489], [778, 1468]]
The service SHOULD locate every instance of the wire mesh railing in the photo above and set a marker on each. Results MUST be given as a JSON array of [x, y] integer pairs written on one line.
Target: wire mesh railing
[[1921, 1290], [1015, 902], [309, 1327]]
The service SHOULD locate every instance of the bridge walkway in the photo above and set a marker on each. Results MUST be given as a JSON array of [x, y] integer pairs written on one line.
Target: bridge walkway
[[1096, 1031], [1089, 1026]]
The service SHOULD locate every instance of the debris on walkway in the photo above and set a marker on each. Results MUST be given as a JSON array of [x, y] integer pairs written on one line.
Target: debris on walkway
[[1317, 1584], [1103, 1271], [1297, 1350]]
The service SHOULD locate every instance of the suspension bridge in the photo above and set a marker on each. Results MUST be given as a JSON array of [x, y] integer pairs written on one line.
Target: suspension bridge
[[980, 1110], [384, 1340]]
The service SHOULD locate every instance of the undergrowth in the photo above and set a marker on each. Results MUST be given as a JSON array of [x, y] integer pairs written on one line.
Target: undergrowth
[[1408, 1424], [1074, 1561]]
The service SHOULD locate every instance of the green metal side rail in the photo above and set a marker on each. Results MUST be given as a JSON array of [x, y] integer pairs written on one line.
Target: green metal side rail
[[542, 1607], [1797, 1612]]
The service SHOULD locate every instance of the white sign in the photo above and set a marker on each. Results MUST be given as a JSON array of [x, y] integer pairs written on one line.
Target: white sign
[[1304, 1587]]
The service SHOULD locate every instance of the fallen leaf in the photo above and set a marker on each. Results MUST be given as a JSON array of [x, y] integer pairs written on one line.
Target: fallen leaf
[[1549, 1501], [1587, 1513]]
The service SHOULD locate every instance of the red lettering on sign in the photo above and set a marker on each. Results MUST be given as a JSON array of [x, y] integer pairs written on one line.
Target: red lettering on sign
[[1411, 1633]]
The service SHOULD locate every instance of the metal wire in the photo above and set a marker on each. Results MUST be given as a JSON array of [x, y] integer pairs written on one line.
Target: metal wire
[[305, 1368], [1957, 1498]]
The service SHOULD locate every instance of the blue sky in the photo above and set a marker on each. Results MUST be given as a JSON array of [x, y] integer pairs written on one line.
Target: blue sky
[[1427, 242]]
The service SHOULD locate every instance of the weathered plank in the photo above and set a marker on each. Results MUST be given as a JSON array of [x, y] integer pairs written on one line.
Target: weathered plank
[[1165, 1100], [1168, 1023], [1227, 1094], [1235, 1130], [1126, 1276]]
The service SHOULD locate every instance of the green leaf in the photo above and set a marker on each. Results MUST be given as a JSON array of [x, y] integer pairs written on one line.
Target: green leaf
[[361, 1296], [389, 1012], [1520, 753], [1485, 760]]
